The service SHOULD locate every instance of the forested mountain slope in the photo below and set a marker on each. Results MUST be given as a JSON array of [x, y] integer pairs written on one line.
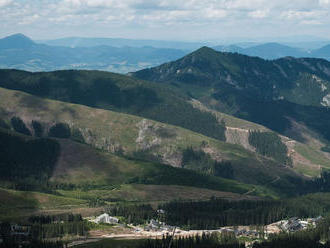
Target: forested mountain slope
[[63, 164], [60, 175], [116, 92], [145, 139], [271, 93]]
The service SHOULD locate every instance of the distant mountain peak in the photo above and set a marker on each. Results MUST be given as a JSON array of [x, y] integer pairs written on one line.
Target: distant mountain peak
[[16, 41], [203, 52], [204, 49]]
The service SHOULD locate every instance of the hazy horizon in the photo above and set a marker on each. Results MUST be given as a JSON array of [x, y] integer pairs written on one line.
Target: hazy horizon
[[198, 21]]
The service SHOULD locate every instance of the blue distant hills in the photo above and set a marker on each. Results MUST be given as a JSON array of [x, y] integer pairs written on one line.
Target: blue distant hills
[[122, 55]]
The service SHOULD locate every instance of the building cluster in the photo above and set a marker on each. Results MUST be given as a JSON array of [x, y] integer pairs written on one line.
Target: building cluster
[[18, 233], [105, 219], [155, 225], [295, 224], [240, 232]]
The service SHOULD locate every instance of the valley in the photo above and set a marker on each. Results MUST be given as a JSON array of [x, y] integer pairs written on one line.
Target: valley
[[227, 151]]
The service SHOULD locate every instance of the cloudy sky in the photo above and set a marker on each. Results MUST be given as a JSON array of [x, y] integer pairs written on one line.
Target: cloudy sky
[[166, 19]]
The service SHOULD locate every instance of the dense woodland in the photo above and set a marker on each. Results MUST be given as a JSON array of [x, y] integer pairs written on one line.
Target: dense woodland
[[309, 238], [216, 213], [270, 145], [198, 241], [43, 229], [200, 161], [136, 214], [25, 162]]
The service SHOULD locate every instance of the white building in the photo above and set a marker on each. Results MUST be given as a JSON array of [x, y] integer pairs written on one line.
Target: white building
[[105, 218]]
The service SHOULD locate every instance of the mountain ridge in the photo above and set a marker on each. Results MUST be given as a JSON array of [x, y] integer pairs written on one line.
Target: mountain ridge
[[271, 93], [16, 41]]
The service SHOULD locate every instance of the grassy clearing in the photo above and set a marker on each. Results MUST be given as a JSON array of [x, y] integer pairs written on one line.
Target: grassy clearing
[[148, 193], [314, 156], [307, 170], [20, 203]]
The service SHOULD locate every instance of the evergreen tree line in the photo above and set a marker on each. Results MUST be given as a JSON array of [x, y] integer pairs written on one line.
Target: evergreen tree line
[[54, 226], [48, 219], [135, 214], [58, 130], [26, 162], [270, 144], [198, 241], [58, 230], [309, 238], [200, 161], [33, 244], [216, 213], [41, 228], [318, 237], [319, 184]]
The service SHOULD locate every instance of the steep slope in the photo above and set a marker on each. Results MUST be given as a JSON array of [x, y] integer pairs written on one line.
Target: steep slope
[[75, 177], [69, 164], [17, 41], [271, 93], [307, 159], [115, 92], [142, 138], [265, 80]]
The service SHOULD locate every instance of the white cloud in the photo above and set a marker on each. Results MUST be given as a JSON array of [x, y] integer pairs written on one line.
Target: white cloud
[[214, 13], [311, 22], [244, 4], [259, 13], [4, 3], [161, 17], [324, 3], [294, 14], [29, 19]]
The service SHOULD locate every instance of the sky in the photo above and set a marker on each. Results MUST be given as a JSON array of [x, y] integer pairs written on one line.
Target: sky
[[186, 20]]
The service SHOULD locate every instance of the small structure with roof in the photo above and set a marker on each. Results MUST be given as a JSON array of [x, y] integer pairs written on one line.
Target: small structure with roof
[[106, 219]]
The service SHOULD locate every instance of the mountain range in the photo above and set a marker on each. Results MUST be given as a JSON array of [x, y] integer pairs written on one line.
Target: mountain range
[[271, 93], [209, 123], [271, 50], [120, 55], [20, 52]]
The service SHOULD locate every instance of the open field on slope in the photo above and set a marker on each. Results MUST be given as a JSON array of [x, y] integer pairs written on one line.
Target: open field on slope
[[15, 205], [229, 120], [118, 132], [307, 158], [101, 128], [151, 193]]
